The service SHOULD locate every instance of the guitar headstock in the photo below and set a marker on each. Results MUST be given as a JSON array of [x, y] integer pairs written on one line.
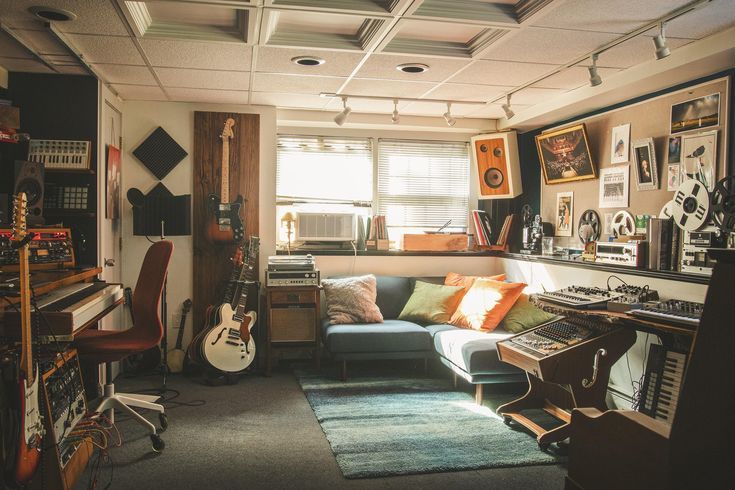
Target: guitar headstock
[[227, 131], [187, 306], [20, 210], [253, 247], [237, 259]]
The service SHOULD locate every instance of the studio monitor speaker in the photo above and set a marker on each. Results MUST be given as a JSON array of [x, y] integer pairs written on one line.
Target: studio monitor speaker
[[29, 179], [498, 169]]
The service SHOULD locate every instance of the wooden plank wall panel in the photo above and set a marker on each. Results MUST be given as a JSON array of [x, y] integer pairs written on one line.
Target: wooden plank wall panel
[[212, 266]]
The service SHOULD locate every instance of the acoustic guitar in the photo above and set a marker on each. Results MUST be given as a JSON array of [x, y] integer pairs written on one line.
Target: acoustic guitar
[[228, 346], [30, 421], [176, 355], [225, 225]]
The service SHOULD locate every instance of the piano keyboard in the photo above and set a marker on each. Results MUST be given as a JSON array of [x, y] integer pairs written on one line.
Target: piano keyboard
[[63, 154], [662, 383], [675, 311]]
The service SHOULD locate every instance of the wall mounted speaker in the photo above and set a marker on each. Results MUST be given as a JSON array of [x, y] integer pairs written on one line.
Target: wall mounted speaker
[[29, 179], [498, 169]]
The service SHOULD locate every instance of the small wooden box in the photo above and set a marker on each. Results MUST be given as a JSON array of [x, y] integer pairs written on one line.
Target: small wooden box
[[9, 117], [381, 244], [436, 242]]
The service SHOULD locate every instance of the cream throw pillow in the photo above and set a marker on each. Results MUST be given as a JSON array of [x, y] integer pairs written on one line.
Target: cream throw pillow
[[352, 300]]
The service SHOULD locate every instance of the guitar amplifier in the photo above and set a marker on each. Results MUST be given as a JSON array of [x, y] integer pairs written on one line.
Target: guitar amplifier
[[50, 248]]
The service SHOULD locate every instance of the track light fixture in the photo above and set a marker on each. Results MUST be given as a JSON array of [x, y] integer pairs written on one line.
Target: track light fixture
[[448, 116], [595, 78], [395, 117], [342, 116], [659, 41], [506, 107]]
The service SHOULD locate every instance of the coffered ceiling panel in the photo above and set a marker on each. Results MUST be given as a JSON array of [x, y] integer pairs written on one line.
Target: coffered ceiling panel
[[501, 73], [93, 16], [387, 88], [460, 91], [537, 45], [293, 84], [139, 92], [479, 11], [207, 95], [278, 60], [206, 79], [192, 54], [131, 75], [383, 66], [289, 101], [364, 6], [107, 49]]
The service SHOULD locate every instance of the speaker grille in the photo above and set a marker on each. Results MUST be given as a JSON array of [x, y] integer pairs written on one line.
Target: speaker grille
[[493, 178], [160, 153]]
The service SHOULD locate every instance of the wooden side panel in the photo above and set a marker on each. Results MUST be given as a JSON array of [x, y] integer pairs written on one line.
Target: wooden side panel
[[212, 266]]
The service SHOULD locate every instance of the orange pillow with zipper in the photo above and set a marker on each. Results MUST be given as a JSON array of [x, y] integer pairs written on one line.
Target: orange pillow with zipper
[[454, 279], [486, 304]]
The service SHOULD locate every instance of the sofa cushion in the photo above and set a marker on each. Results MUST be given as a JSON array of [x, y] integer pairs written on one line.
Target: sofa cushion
[[454, 279], [524, 315], [439, 327], [431, 303], [473, 351], [352, 300], [393, 293], [389, 336], [486, 303]]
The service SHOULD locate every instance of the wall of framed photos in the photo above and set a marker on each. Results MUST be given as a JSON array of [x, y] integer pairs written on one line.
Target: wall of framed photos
[[650, 118]]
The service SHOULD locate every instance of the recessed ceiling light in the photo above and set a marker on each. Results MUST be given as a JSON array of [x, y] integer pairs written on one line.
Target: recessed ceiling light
[[307, 60], [52, 13], [412, 67]]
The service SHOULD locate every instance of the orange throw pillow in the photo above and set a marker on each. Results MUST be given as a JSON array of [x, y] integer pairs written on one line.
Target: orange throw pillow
[[486, 303], [454, 279]]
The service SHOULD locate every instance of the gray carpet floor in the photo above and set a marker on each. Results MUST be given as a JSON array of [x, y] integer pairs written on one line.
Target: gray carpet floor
[[262, 433]]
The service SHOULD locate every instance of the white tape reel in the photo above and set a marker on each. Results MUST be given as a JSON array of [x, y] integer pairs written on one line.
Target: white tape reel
[[623, 223], [691, 205], [667, 211]]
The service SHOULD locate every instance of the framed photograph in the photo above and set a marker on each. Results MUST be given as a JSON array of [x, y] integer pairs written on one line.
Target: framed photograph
[[674, 154], [614, 186], [565, 155], [620, 144], [564, 214], [698, 113], [645, 165], [699, 158], [673, 178], [112, 208]]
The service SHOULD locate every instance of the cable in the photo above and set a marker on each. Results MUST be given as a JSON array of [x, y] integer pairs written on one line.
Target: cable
[[616, 277], [354, 258]]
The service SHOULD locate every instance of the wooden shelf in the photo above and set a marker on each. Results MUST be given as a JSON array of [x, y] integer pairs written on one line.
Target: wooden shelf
[[76, 213], [82, 171]]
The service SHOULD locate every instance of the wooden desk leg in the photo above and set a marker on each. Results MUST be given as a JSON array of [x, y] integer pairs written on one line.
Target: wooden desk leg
[[532, 399]]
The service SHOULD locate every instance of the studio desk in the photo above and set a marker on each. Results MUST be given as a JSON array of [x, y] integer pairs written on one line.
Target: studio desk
[[564, 377]]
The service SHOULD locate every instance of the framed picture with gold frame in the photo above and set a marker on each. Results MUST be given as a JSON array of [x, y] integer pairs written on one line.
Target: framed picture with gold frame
[[565, 156]]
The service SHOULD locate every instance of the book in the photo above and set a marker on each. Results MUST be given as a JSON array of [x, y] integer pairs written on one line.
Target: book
[[675, 246], [479, 232]]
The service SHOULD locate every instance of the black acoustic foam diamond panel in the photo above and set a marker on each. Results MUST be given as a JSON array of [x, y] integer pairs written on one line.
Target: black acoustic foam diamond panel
[[159, 153]]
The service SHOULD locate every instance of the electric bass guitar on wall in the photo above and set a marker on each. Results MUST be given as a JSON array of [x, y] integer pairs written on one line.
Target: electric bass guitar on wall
[[30, 421], [225, 225], [228, 345], [176, 355]]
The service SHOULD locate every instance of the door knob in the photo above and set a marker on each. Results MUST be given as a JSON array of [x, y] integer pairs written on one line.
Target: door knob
[[109, 262]]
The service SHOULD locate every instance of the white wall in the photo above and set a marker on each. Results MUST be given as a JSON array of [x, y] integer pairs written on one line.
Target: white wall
[[178, 120]]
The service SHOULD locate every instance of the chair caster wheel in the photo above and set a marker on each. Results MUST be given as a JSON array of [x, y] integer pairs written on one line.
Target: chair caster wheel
[[507, 420], [157, 442], [543, 446], [163, 419]]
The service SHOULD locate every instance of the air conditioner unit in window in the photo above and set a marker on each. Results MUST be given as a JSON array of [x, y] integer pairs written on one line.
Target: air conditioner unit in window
[[325, 227]]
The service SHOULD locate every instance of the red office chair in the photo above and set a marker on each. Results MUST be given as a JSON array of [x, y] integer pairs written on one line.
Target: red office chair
[[114, 345]]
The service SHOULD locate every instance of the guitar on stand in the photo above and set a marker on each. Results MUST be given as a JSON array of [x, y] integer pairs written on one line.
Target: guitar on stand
[[176, 355], [30, 421], [228, 345], [225, 225]]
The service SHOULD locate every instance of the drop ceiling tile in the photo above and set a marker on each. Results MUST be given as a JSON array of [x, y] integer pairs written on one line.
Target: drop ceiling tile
[[634, 51], [494, 111], [573, 77], [213, 79], [193, 54], [24, 65], [388, 88], [93, 16], [435, 109], [288, 101], [73, 70], [278, 60], [292, 84], [618, 16], [43, 42], [383, 66], [364, 105], [532, 95], [107, 49], [460, 91], [130, 75], [501, 73], [553, 46], [206, 95], [704, 21], [139, 92]]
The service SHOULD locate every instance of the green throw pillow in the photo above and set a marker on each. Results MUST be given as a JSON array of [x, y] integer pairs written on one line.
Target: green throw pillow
[[431, 303], [524, 315]]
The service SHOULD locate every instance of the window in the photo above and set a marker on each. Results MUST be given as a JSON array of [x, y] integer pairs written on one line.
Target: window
[[422, 185]]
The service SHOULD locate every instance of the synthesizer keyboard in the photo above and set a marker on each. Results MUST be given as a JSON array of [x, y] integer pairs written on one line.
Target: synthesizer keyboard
[[675, 311], [580, 297], [662, 383]]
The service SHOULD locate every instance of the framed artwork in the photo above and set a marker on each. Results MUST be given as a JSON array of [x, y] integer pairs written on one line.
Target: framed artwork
[[620, 144], [673, 178], [674, 153], [112, 209], [614, 186], [645, 165], [698, 113], [564, 214], [699, 158], [565, 155]]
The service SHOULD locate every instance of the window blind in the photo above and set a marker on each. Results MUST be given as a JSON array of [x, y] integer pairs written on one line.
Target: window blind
[[423, 184], [324, 169]]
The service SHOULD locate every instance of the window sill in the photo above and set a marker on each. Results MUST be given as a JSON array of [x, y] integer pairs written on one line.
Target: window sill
[[388, 253]]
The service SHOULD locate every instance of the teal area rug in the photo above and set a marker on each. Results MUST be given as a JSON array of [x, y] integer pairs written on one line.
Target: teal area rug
[[391, 425]]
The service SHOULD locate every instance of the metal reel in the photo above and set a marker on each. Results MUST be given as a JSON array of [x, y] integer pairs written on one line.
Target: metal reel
[[723, 204], [623, 223], [589, 227]]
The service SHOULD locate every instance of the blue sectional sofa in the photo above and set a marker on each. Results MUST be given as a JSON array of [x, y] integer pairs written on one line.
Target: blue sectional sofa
[[469, 354]]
